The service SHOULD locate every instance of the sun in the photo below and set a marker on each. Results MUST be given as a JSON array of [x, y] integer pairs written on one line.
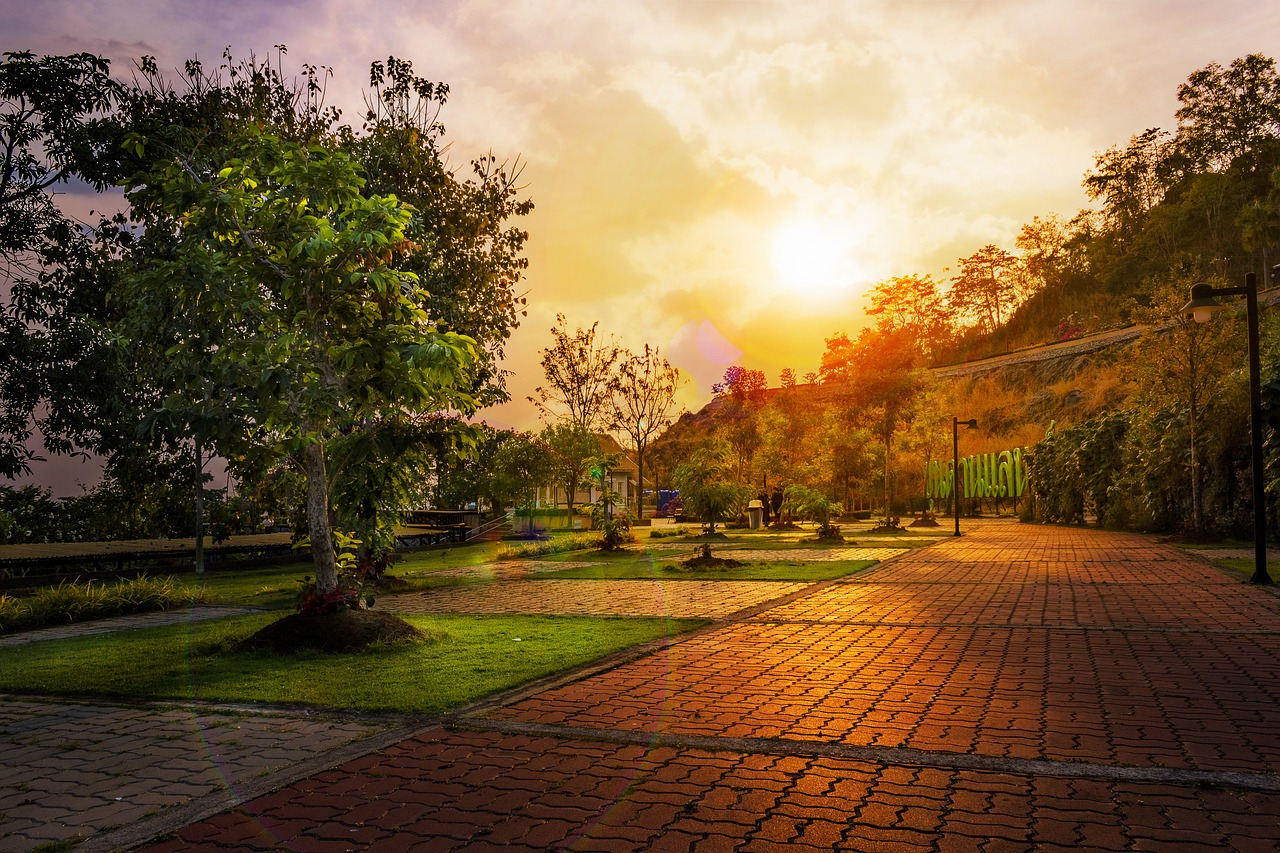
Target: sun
[[814, 258]]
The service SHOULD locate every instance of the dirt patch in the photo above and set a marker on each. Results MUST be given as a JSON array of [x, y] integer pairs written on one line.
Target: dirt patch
[[344, 631], [388, 584], [705, 560], [925, 522]]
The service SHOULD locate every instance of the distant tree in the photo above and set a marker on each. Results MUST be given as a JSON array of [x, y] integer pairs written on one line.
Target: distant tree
[[1130, 181], [787, 444], [520, 465], [1259, 222], [571, 449], [787, 378], [880, 385], [741, 394], [644, 396], [985, 288], [1231, 116], [912, 303], [838, 365], [580, 375], [1185, 366]]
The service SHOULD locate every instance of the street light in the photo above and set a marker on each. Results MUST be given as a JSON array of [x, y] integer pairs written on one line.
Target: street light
[[972, 423], [1201, 308]]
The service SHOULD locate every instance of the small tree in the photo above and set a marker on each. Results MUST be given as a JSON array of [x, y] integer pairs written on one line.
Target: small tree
[[644, 394], [579, 374], [614, 526], [571, 450], [707, 486], [812, 505]]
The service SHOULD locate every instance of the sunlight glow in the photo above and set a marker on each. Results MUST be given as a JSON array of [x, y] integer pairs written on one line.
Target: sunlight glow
[[814, 258]]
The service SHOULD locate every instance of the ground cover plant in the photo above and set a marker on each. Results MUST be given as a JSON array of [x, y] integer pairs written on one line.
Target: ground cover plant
[[81, 601], [463, 659], [1245, 566], [635, 564], [559, 544], [270, 587]]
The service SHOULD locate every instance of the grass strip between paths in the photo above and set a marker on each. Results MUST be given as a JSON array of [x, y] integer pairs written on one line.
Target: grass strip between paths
[[646, 568], [468, 658]]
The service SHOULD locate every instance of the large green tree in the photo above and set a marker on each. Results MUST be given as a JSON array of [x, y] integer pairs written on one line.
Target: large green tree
[[461, 241], [299, 324], [52, 356]]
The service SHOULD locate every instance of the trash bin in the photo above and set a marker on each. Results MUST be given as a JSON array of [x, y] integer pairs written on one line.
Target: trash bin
[[755, 515]]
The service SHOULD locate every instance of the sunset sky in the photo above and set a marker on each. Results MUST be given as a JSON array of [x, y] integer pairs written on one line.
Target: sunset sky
[[724, 180]]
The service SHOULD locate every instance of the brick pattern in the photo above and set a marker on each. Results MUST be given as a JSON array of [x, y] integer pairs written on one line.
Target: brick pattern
[[1093, 647], [68, 770], [473, 791], [1011, 644]]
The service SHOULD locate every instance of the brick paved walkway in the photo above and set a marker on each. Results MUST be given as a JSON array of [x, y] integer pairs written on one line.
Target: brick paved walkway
[[1020, 688], [68, 770]]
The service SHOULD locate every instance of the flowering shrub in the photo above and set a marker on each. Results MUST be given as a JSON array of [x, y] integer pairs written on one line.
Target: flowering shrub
[[345, 596]]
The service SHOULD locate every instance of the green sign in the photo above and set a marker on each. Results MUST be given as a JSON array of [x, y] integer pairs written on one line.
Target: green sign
[[984, 475]]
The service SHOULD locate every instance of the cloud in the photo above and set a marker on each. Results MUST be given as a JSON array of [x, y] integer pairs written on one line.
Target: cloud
[[668, 145]]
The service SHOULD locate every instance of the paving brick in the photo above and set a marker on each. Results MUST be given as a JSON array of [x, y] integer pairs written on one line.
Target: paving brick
[[1013, 642]]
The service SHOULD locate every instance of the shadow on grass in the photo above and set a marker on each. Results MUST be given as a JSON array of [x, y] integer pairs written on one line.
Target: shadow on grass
[[467, 658]]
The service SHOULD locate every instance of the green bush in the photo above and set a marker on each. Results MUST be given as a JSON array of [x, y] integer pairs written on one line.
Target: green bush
[[79, 602]]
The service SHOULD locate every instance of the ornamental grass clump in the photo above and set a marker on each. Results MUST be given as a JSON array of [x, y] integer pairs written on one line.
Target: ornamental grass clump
[[554, 545], [79, 602]]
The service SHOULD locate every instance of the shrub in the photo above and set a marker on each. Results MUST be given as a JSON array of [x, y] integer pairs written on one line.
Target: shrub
[[78, 602], [555, 545]]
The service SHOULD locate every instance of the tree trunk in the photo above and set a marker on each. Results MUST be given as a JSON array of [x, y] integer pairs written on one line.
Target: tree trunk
[[322, 553], [639, 483], [888, 499]]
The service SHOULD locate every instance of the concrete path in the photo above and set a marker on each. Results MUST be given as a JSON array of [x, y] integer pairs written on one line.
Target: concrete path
[[1020, 688]]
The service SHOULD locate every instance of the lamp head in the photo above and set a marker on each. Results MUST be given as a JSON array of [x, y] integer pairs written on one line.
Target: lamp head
[[1202, 304]]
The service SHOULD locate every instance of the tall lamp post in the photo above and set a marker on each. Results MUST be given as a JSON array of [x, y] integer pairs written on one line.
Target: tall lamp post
[[972, 423], [1201, 308]]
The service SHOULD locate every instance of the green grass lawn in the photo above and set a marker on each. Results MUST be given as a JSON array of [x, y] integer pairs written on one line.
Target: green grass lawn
[[1246, 566], [472, 656], [632, 566], [276, 586]]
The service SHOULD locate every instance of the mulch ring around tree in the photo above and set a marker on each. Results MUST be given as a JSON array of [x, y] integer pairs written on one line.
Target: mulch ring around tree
[[344, 631], [704, 560]]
